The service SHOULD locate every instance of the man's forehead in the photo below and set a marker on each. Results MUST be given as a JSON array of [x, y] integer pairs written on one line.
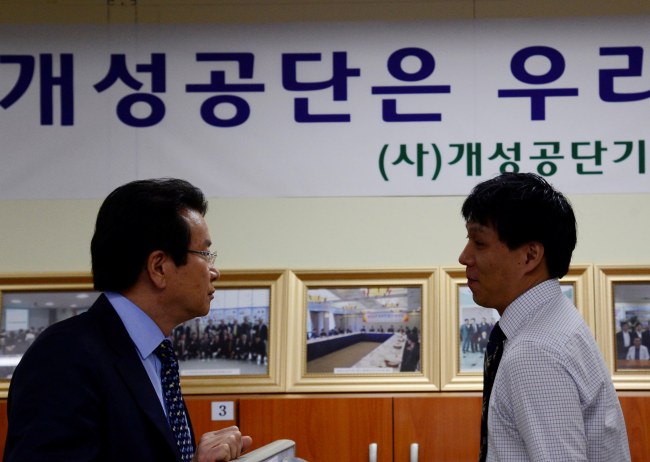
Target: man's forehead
[[476, 227]]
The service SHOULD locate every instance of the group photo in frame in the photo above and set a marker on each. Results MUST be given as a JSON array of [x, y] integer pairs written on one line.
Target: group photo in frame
[[232, 339], [236, 346], [31, 303], [361, 330], [476, 324], [466, 326], [244, 300], [624, 309]]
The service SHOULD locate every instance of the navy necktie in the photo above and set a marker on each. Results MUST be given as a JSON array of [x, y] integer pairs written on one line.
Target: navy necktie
[[493, 354], [171, 387]]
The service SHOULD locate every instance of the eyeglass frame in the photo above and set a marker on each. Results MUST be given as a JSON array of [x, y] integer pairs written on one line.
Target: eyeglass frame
[[211, 257]]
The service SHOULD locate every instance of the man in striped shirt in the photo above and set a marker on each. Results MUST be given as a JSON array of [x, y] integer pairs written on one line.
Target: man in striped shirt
[[552, 398]]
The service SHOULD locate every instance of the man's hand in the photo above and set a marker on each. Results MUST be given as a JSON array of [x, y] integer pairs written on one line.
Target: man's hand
[[221, 445]]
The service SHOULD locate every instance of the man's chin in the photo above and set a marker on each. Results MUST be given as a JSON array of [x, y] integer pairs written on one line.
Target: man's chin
[[477, 299]]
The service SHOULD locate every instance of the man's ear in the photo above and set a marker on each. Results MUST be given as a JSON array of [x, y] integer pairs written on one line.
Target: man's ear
[[157, 268], [534, 254]]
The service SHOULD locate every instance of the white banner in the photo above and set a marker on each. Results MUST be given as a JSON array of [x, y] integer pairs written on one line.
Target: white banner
[[326, 109]]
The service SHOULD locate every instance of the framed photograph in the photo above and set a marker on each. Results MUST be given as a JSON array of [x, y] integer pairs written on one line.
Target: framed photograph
[[363, 331], [235, 348], [623, 307], [29, 304], [466, 326]]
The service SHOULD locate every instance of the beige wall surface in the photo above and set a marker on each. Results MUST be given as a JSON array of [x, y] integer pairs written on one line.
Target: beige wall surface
[[319, 233], [313, 233]]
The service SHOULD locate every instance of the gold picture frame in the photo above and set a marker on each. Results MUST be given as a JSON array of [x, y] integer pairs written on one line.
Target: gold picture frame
[[624, 297], [259, 296], [462, 369], [31, 303], [378, 331]]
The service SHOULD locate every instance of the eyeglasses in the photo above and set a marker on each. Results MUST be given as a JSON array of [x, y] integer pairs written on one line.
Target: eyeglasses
[[209, 256]]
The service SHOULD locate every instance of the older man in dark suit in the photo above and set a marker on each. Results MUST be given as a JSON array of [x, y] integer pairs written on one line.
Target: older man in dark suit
[[90, 387], [623, 340]]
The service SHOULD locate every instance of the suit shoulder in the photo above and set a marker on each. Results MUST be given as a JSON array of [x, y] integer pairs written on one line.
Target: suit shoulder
[[72, 335]]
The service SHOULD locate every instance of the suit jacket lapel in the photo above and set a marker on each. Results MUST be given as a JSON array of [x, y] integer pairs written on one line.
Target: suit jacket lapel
[[130, 368]]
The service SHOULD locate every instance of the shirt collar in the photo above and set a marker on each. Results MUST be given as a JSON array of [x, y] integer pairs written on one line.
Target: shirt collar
[[523, 307], [141, 328]]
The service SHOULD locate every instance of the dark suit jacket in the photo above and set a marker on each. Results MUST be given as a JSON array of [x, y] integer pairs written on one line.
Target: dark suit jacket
[[621, 349], [80, 393]]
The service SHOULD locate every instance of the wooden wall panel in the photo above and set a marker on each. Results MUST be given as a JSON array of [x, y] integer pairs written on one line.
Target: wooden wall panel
[[324, 429], [636, 409], [200, 409], [445, 428], [267, 11]]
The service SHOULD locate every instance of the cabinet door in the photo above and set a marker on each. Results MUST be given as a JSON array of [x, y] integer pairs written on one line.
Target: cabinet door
[[636, 410], [324, 429], [445, 428]]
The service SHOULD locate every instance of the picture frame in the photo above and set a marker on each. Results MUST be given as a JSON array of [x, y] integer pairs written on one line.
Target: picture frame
[[29, 304], [624, 297], [36, 301], [400, 306], [259, 296], [462, 358]]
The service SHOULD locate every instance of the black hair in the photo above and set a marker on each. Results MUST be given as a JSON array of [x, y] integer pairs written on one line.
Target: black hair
[[524, 207], [136, 219]]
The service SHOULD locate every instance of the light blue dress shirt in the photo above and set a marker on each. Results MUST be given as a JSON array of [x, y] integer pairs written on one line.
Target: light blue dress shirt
[[145, 334]]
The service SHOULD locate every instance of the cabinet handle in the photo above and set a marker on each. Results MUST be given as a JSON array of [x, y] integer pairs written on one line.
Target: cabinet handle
[[372, 452], [414, 452]]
